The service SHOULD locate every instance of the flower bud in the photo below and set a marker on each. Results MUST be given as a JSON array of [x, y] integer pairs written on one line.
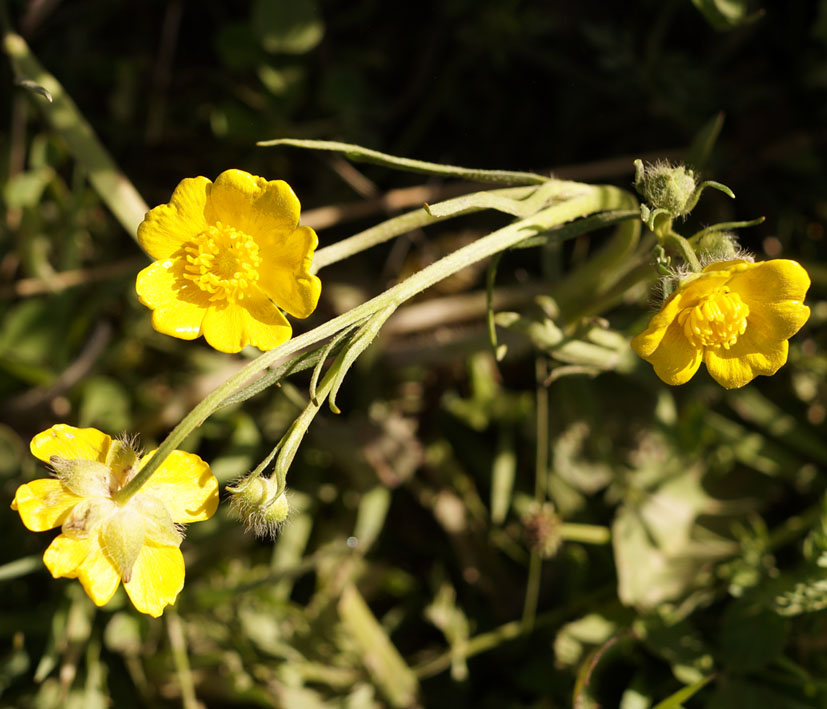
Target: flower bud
[[718, 246], [666, 187], [254, 502]]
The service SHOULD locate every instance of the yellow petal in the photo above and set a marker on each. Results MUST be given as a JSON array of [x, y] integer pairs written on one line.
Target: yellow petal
[[97, 574], [70, 443], [223, 327], [675, 360], [178, 304], [229, 327], [772, 322], [64, 556], [733, 266], [285, 272], [746, 359], [253, 205], [265, 326], [771, 282], [688, 295], [168, 226], [157, 579], [43, 504], [186, 486]]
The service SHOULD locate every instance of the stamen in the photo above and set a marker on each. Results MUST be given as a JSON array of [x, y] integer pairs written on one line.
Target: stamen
[[223, 262], [717, 321]]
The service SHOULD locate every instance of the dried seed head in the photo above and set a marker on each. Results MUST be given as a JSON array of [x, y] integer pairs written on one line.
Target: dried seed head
[[541, 526]]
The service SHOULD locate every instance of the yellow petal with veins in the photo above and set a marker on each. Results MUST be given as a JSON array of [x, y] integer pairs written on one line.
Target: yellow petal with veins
[[285, 273], [157, 579], [97, 574], [44, 504], [64, 556], [186, 486], [254, 205], [167, 227], [70, 443]]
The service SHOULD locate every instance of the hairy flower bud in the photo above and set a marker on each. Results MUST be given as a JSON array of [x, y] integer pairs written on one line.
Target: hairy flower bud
[[254, 502], [719, 246], [669, 191], [667, 187]]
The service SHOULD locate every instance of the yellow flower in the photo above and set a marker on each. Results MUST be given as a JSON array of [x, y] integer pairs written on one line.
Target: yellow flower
[[736, 316], [103, 542], [228, 253]]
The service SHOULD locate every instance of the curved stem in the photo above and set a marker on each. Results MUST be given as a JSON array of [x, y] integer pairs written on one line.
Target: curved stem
[[683, 247], [418, 218]]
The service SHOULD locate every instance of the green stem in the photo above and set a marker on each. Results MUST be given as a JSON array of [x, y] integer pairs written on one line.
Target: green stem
[[532, 590], [724, 226], [509, 631], [179, 656], [594, 199], [404, 223], [677, 243], [586, 533], [378, 234], [293, 438]]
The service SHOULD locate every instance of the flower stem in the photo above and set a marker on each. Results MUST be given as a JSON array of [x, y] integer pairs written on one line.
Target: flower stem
[[683, 247], [416, 219], [593, 199]]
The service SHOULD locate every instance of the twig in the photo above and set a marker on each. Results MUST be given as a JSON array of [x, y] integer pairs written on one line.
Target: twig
[[69, 279]]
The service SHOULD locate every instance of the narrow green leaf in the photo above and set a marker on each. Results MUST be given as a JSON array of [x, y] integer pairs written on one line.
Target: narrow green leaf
[[503, 472], [360, 342], [112, 186], [20, 567], [676, 700], [490, 279], [373, 511], [323, 355], [699, 150], [381, 658], [565, 232], [357, 153]]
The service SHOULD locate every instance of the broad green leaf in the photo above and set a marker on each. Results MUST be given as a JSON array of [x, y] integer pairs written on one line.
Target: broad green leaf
[[725, 14], [104, 404], [735, 692], [750, 636], [288, 26]]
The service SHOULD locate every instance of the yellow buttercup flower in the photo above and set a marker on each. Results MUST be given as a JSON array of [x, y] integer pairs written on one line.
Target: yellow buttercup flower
[[229, 255], [735, 316], [103, 542]]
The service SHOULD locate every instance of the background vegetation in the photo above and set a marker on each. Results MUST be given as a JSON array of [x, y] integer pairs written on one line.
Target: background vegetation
[[404, 575]]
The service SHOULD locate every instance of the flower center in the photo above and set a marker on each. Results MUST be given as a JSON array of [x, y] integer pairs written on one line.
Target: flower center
[[223, 262], [717, 321]]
